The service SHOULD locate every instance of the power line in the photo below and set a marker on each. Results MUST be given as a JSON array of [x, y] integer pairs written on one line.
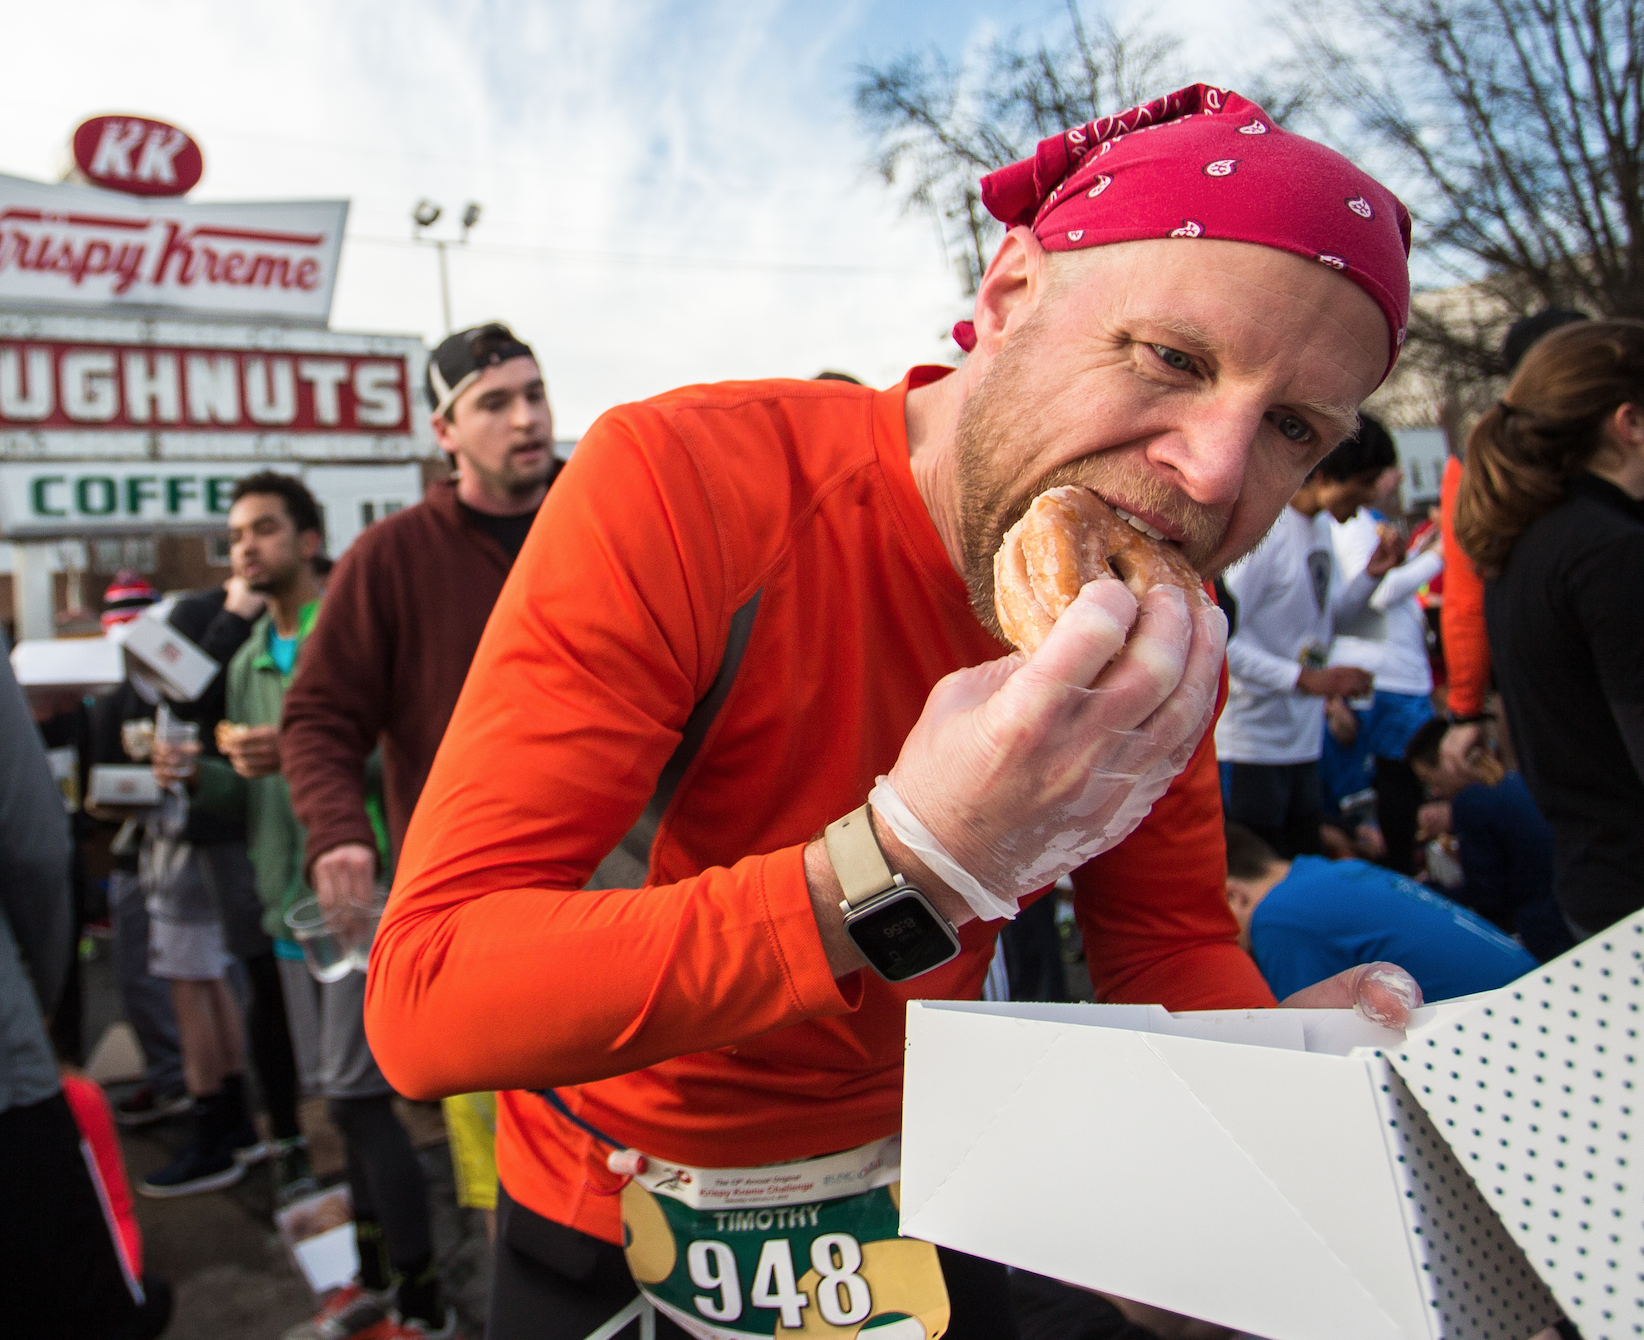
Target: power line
[[643, 258]]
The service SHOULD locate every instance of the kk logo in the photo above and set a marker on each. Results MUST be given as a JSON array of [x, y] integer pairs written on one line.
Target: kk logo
[[1101, 184], [1189, 228], [1334, 262], [1362, 207], [1222, 167], [1255, 127]]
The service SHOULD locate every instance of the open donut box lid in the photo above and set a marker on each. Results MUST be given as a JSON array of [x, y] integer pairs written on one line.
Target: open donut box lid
[[1302, 1173]]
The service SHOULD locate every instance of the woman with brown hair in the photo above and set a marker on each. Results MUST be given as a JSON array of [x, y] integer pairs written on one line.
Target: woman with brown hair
[[1551, 510]]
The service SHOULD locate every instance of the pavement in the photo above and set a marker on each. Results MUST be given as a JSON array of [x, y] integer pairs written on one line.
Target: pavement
[[232, 1278]]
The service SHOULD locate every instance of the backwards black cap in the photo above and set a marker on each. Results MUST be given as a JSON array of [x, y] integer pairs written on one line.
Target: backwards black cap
[[461, 358]]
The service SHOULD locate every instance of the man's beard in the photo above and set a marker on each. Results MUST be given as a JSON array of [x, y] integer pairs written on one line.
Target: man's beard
[[520, 481], [278, 580], [999, 424]]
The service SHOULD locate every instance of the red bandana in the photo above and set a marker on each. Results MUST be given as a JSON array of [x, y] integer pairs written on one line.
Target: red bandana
[[1205, 162]]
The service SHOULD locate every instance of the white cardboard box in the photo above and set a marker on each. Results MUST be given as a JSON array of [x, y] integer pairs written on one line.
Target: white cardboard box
[[180, 666], [122, 784], [1264, 1169], [68, 663], [1537, 1088], [318, 1231]]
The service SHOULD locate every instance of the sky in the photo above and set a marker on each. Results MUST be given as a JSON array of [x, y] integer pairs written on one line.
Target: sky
[[672, 191]]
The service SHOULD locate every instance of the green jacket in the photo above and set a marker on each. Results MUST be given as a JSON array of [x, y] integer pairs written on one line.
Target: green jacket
[[255, 694]]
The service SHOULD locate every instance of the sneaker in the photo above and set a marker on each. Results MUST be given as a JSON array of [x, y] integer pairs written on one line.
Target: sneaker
[[143, 1106], [293, 1177], [195, 1170], [352, 1312], [414, 1328]]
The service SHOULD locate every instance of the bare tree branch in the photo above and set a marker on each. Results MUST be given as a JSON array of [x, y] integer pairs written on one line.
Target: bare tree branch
[[1515, 131], [937, 128]]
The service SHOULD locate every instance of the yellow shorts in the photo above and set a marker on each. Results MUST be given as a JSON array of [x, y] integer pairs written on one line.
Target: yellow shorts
[[471, 1125]]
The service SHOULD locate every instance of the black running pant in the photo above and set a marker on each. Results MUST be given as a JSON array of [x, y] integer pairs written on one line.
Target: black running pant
[[385, 1178], [270, 1038]]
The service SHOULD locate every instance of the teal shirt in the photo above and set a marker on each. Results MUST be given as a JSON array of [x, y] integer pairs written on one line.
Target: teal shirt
[[283, 652]]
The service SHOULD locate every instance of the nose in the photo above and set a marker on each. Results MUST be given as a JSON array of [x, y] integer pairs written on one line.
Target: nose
[[1211, 449]]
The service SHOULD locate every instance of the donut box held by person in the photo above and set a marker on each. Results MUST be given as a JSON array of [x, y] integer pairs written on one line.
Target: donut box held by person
[[744, 603]]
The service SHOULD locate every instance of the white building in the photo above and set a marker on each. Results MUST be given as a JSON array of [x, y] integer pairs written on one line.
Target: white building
[[152, 352]]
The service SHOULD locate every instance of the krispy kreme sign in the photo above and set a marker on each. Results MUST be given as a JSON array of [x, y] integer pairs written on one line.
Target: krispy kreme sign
[[137, 155], [51, 384], [65, 246]]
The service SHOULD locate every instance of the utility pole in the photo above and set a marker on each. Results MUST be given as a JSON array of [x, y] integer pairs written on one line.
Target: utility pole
[[425, 214]]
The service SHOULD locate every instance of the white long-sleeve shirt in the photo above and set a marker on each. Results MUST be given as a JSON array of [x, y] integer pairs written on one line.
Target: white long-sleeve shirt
[[1289, 598], [1389, 638]]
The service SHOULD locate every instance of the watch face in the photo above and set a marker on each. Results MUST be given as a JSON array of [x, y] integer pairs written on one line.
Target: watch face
[[902, 936]]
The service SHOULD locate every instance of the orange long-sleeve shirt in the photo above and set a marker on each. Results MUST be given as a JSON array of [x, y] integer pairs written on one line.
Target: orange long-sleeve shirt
[[696, 1018], [1461, 620]]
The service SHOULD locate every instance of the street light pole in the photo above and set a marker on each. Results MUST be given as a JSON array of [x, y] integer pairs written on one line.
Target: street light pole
[[445, 285], [425, 214]]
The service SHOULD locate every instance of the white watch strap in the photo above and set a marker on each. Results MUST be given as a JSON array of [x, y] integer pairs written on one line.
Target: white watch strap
[[857, 861]]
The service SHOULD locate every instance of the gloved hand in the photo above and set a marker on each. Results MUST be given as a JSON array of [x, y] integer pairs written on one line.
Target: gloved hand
[[1383, 993], [1021, 770]]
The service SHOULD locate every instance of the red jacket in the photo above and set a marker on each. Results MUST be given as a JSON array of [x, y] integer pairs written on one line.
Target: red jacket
[[402, 615], [695, 1018], [1461, 621]]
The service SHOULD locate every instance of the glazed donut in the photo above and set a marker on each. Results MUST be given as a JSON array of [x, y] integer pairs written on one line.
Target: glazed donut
[[1068, 537]]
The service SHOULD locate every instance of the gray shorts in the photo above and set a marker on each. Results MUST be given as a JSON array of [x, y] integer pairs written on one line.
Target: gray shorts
[[188, 951], [327, 1022]]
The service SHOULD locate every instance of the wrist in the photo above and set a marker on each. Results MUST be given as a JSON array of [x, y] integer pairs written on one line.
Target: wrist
[[1467, 719], [905, 862]]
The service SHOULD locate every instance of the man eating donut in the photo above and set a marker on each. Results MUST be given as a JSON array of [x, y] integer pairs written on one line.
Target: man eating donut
[[643, 894]]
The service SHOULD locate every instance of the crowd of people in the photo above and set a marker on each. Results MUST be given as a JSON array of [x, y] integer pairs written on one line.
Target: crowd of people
[[690, 763]]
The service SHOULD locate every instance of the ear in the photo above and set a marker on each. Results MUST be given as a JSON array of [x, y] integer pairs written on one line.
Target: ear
[[309, 543], [1628, 423], [444, 433], [1013, 285]]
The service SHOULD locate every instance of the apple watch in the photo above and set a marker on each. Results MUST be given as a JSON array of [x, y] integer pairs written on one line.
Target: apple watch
[[893, 923]]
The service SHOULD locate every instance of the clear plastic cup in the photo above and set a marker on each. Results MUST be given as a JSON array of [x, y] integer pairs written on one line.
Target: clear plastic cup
[[365, 916], [179, 741], [324, 939]]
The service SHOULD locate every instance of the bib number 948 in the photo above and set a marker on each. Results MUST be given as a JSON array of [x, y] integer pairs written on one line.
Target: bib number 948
[[842, 1295]]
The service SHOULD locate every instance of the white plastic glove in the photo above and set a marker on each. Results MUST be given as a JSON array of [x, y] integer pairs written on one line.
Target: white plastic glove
[[1021, 770]]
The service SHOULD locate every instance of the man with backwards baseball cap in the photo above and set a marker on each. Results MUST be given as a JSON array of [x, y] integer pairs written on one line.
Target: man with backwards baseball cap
[[746, 603], [402, 615]]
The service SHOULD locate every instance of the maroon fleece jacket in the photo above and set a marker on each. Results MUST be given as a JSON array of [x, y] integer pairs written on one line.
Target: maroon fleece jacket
[[401, 619]]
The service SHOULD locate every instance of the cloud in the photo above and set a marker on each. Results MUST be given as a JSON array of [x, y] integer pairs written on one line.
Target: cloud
[[671, 192]]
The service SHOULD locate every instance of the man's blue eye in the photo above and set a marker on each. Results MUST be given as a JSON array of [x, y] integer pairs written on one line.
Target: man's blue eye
[[1174, 358], [1295, 429]]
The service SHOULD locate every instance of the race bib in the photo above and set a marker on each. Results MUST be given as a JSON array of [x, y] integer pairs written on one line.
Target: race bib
[[792, 1250]]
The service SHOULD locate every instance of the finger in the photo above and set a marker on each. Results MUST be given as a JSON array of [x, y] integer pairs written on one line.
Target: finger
[[1151, 664], [1089, 634], [1383, 993], [1184, 717], [964, 689]]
